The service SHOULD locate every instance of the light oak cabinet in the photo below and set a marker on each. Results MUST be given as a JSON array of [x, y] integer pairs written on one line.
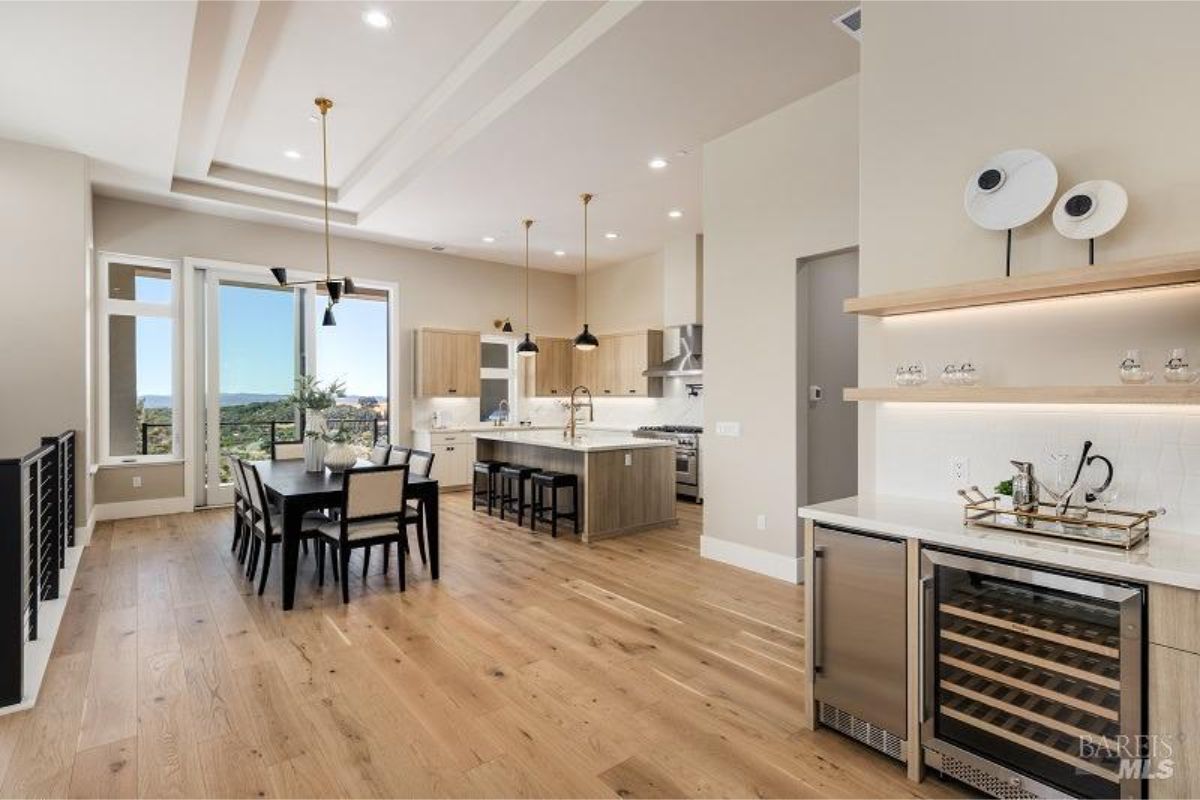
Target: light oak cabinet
[[447, 363], [1174, 686], [453, 456], [553, 373], [614, 369]]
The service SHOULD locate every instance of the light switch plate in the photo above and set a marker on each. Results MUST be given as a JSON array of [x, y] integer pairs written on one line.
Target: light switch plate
[[761, 522], [729, 429], [629, 459], [137, 481]]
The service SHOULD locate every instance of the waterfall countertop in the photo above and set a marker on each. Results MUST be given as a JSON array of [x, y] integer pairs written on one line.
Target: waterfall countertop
[[588, 441], [1166, 556]]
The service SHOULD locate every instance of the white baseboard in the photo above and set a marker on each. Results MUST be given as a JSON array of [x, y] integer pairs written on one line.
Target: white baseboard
[[764, 562], [50, 614], [83, 535], [141, 508]]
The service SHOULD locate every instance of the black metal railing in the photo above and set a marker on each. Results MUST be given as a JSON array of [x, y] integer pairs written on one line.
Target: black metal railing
[[37, 525], [376, 427]]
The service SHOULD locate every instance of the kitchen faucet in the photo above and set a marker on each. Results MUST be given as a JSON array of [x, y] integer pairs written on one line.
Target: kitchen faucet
[[569, 431]]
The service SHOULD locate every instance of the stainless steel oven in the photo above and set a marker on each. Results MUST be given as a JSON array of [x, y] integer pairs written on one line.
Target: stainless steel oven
[[1031, 679], [687, 455]]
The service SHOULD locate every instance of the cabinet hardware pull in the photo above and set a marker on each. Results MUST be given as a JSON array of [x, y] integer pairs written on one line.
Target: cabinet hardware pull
[[818, 554], [924, 587]]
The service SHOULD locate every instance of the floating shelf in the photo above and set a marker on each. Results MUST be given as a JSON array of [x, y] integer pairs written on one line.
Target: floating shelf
[[1142, 273], [1132, 395]]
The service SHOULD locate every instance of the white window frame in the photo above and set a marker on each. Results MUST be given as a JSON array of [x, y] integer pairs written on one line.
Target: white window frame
[[108, 307], [510, 374]]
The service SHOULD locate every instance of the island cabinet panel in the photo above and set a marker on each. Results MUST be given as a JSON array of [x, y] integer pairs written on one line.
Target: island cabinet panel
[[553, 367], [1174, 688], [447, 363], [629, 489]]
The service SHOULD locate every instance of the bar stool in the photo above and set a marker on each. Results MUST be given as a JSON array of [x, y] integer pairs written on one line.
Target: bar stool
[[512, 479], [490, 471], [552, 482]]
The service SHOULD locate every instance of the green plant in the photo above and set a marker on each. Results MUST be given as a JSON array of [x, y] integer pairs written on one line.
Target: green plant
[[339, 435], [309, 394], [1004, 488]]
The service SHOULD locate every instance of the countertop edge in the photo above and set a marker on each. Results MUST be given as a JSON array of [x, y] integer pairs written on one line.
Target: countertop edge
[[1049, 551], [513, 437]]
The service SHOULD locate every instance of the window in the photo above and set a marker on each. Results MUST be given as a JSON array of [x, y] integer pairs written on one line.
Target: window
[[498, 379], [140, 396], [355, 351]]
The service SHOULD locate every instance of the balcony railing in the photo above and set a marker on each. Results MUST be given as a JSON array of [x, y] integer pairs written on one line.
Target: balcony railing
[[376, 428]]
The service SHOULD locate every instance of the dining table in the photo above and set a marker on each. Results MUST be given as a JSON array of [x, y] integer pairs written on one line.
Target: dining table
[[296, 491]]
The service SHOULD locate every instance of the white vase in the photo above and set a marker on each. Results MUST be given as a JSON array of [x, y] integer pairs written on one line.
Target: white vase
[[314, 446], [340, 457]]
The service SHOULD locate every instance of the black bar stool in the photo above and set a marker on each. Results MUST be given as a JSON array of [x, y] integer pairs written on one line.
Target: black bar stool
[[490, 472], [512, 489], [552, 482]]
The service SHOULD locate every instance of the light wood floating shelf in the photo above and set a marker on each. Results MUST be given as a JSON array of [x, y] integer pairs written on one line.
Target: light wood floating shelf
[[1134, 395], [1142, 273]]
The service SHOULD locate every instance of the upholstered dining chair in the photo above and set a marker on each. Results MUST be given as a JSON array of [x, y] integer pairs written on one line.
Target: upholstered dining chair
[[399, 455], [379, 454], [242, 519], [373, 504], [267, 527], [287, 451], [420, 464]]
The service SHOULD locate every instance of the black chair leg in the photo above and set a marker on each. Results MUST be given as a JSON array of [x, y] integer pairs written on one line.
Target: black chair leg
[[575, 506], [491, 482], [402, 567], [252, 561], [304, 546], [366, 559], [537, 507], [421, 535], [334, 552], [320, 562], [503, 496], [344, 557], [262, 583], [553, 513], [387, 556], [520, 502]]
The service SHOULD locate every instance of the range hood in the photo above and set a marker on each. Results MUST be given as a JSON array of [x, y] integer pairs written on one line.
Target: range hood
[[689, 363]]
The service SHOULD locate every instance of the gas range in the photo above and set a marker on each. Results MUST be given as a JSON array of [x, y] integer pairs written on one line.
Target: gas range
[[687, 454]]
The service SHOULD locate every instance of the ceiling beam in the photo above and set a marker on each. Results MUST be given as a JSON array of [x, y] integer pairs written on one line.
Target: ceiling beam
[[281, 205]]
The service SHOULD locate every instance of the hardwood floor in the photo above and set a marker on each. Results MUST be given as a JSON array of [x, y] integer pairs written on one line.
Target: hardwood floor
[[534, 668]]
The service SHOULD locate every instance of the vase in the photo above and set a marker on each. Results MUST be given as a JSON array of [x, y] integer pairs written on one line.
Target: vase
[[340, 457], [314, 446]]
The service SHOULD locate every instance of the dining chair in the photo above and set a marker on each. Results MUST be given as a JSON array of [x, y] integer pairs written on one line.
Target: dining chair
[[399, 455], [267, 527], [373, 504], [379, 454], [287, 451], [420, 464], [241, 509]]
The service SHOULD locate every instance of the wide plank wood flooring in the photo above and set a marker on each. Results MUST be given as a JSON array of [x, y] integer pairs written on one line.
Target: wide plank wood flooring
[[534, 668]]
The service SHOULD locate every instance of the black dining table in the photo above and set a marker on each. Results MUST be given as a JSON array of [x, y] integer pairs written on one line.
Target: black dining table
[[296, 491]]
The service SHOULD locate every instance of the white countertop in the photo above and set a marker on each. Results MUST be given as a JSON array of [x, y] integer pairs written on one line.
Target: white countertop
[[1165, 556], [589, 441], [483, 426]]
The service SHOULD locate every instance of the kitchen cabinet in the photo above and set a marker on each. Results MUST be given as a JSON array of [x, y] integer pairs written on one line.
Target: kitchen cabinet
[[453, 456], [1174, 688], [447, 363], [614, 369], [553, 367]]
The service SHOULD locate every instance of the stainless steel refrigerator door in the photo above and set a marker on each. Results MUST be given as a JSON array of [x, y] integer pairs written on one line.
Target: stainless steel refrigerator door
[[860, 626]]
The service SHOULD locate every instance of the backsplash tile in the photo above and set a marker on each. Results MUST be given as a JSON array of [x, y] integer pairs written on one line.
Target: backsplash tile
[[1155, 452]]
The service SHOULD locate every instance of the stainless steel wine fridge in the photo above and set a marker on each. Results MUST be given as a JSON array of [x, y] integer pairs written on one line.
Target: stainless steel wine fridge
[[1031, 680]]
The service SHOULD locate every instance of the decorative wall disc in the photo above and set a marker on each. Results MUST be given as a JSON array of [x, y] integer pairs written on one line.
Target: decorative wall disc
[[1090, 209], [1010, 189]]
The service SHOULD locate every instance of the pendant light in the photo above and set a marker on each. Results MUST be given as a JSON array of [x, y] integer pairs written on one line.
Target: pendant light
[[334, 287], [585, 340], [527, 347]]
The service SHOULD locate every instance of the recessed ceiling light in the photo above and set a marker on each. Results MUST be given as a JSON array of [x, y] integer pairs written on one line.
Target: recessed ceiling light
[[658, 163], [612, 235], [674, 213], [560, 253], [377, 19], [292, 154], [489, 239]]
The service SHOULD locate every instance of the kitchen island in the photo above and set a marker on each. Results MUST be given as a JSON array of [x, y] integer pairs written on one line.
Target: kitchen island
[[626, 483]]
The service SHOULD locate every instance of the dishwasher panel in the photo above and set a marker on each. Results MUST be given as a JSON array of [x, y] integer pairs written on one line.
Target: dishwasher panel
[[859, 630]]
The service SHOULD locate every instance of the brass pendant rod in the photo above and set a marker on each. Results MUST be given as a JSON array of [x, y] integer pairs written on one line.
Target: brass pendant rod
[[527, 223], [586, 198], [324, 104]]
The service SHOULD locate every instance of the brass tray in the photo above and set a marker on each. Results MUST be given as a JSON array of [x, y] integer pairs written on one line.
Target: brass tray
[[1113, 528]]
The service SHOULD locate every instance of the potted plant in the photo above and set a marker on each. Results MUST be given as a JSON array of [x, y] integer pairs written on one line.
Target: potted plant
[[341, 454], [314, 399]]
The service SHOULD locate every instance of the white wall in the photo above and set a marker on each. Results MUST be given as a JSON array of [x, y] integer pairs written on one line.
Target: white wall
[[781, 188], [45, 225], [626, 296], [1098, 87]]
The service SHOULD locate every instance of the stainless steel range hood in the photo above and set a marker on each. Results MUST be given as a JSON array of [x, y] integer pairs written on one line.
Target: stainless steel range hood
[[689, 363]]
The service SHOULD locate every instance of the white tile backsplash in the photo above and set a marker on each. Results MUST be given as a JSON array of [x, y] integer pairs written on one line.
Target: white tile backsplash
[[1155, 452]]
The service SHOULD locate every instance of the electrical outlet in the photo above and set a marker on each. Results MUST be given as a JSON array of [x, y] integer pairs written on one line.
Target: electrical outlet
[[960, 468], [137, 481], [629, 459], [761, 522], [729, 429]]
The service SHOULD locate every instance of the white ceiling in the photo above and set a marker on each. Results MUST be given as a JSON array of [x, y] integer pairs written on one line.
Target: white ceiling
[[449, 126]]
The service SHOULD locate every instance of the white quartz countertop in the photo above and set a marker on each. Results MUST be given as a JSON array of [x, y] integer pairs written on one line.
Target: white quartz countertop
[[589, 441], [1165, 556], [482, 426]]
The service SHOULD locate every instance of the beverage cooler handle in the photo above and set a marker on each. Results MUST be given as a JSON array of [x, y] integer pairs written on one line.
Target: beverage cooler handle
[[818, 554], [924, 587]]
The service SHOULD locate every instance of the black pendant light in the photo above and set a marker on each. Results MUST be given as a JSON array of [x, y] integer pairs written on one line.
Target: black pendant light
[[527, 347], [335, 287], [508, 328], [585, 340]]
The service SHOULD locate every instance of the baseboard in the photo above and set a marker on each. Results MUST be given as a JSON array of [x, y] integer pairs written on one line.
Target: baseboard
[[50, 615], [764, 562], [142, 508], [83, 535]]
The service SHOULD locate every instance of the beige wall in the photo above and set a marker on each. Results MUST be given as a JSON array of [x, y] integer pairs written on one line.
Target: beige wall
[[626, 296], [436, 290], [44, 225], [1106, 90], [781, 188], [159, 481]]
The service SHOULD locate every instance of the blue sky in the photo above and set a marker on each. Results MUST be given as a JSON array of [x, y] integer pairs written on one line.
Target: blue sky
[[256, 342]]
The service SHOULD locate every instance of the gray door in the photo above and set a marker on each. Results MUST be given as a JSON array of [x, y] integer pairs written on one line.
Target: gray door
[[831, 352]]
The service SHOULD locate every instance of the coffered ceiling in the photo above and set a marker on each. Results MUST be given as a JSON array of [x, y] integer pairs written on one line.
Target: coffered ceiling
[[449, 125]]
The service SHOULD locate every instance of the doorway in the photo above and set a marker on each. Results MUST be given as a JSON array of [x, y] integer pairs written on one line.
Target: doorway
[[827, 352]]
